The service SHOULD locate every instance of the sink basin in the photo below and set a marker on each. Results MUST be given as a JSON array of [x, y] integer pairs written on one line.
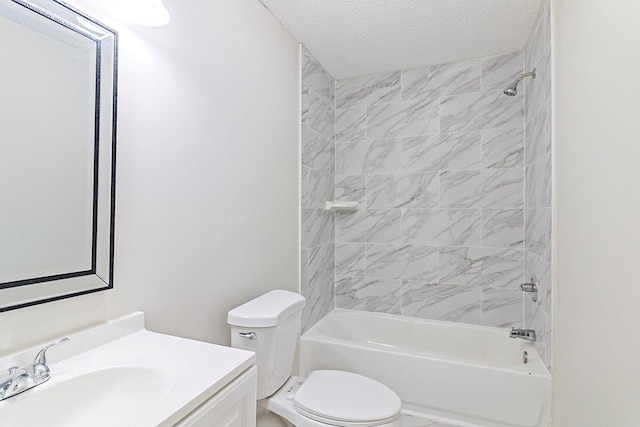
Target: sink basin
[[89, 399], [120, 374]]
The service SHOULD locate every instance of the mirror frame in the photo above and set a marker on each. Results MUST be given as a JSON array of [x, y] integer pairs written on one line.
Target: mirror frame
[[39, 290]]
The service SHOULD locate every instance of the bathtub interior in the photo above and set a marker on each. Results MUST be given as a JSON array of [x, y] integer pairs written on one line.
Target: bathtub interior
[[481, 381], [422, 337]]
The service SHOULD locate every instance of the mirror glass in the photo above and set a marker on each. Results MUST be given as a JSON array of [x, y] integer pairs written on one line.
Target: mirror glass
[[57, 153]]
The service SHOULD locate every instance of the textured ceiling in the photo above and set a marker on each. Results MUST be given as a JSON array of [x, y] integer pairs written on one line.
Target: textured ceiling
[[356, 37]]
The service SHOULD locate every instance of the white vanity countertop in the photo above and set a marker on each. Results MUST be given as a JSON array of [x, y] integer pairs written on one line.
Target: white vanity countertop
[[138, 377]]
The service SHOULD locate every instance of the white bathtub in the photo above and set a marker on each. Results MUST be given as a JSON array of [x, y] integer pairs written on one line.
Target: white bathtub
[[469, 373]]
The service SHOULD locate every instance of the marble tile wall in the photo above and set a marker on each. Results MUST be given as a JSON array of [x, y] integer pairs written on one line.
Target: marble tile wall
[[538, 201], [455, 183], [317, 186], [436, 158]]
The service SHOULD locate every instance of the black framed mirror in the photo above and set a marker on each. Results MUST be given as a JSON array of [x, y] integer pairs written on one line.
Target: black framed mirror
[[58, 86]]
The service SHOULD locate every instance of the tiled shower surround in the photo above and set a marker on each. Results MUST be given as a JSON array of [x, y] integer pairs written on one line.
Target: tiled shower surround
[[454, 183], [317, 186], [435, 156], [538, 201]]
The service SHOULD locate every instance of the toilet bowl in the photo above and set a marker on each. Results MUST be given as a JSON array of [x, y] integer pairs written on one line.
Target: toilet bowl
[[335, 398], [270, 326]]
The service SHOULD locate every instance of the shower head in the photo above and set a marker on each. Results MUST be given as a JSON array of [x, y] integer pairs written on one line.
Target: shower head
[[512, 89]]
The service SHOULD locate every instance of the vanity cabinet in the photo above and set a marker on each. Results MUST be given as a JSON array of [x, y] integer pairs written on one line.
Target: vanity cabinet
[[233, 406]]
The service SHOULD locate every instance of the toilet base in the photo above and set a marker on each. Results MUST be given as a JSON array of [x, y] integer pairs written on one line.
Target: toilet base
[[281, 403], [266, 418]]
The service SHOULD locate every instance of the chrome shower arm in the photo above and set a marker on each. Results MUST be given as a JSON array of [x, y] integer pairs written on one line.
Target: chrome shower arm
[[529, 74], [512, 89]]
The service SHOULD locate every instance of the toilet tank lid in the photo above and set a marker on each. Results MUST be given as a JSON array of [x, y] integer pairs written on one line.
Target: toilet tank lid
[[266, 310]]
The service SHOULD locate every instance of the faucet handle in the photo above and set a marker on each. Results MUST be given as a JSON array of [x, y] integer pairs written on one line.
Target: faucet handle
[[7, 377], [41, 357], [531, 287]]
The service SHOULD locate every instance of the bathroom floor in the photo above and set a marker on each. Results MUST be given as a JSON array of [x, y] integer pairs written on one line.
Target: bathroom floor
[[424, 420]]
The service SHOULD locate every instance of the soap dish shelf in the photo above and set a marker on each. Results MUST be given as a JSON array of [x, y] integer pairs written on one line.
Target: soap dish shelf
[[342, 205]]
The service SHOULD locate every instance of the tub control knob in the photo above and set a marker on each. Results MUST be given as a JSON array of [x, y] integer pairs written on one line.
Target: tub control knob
[[531, 288]]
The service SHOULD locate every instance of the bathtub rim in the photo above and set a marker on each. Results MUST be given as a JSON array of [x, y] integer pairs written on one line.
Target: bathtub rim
[[534, 368]]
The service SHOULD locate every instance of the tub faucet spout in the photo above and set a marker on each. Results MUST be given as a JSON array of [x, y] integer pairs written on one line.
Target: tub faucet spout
[[525, 334]]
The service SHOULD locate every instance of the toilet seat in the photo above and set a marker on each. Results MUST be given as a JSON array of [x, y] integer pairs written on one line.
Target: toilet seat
[[346, 399]]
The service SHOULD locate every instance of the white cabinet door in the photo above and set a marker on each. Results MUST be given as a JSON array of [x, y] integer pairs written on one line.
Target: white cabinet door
[[233, 406]]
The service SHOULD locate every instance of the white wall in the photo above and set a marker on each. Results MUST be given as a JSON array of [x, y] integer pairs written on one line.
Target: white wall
[[207, 203], [597, 217]]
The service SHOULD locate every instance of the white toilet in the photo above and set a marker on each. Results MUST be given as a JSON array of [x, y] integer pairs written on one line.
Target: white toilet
[[270, 326]]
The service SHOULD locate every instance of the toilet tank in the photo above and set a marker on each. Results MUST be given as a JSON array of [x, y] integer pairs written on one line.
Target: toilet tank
[[269, 326]]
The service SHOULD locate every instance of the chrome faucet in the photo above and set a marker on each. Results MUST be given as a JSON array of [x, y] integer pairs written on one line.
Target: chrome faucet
[[525, 334], [16, 380], [531, 287]]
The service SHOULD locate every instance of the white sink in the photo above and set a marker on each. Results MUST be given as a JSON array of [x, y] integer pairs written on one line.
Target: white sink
[[120, 374], [88, 399]]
